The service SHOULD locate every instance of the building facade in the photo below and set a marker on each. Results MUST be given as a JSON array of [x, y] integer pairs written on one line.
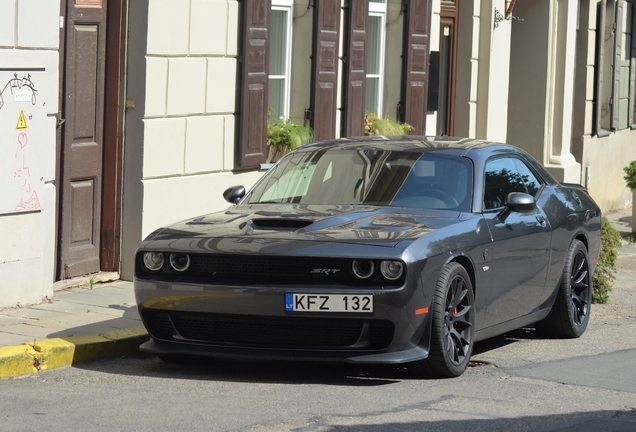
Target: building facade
[[122, 116]]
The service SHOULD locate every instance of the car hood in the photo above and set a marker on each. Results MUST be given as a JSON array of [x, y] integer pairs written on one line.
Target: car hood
[[383, 226]]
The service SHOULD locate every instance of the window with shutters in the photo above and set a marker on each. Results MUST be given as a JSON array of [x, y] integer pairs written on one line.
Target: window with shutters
[[280, 58], [376, 36], [615, 101]]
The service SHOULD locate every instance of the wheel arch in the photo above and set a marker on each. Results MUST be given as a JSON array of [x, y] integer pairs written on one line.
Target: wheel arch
[[465, 262], [580, 236]]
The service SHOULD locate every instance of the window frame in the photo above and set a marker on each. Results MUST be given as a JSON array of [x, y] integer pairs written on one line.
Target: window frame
[[611, 13], [285, 6], [514, 160], [378, 9]]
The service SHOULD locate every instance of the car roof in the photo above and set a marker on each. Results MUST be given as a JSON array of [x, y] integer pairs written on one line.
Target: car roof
[[407, 143]]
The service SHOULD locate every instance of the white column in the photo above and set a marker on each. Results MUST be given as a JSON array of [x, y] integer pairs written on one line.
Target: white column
[[561, 55]]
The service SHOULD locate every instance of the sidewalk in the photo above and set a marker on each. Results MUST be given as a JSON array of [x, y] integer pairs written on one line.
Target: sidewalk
[[76, 325], [83, 323]]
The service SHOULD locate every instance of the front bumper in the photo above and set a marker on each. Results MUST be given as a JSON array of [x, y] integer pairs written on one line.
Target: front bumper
[[251, 322]]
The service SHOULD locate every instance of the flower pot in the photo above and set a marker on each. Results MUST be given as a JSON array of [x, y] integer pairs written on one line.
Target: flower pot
[[275, 152]]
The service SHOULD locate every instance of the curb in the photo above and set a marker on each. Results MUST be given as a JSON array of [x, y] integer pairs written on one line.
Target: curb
[[46, 354]]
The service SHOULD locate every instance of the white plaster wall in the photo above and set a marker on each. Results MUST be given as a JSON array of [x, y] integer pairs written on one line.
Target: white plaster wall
[[467, 69], [189, 120], [606, 158], [29, 38], [603, 158]]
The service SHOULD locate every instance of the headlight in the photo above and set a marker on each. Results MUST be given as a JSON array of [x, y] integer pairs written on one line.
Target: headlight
[[154, 261], [362, 268], [391, 270], [179, 262]]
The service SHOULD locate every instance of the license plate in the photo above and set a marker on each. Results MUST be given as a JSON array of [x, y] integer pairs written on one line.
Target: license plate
[[328, 303]]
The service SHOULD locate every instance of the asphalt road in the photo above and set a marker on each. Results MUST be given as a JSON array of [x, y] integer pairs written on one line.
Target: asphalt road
[[517, 382]]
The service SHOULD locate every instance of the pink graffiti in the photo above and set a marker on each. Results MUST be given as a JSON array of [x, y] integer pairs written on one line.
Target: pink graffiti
[[33, 201], [22, 142]]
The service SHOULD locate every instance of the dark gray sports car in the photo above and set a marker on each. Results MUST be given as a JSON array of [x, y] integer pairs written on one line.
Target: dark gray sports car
[[375, 250]]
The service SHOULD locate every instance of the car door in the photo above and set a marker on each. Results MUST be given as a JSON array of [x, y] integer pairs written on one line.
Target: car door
[[521, 243]]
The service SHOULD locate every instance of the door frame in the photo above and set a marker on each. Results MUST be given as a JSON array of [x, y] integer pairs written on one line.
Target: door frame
[[114, 106]]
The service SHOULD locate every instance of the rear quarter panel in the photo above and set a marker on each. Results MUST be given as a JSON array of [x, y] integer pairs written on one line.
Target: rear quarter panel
[[572, 214]]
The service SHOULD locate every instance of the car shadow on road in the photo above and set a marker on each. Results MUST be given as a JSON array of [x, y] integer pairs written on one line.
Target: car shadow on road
[[288, 372], [525, 333]]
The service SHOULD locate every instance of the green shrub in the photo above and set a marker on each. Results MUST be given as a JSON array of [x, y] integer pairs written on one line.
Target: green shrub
[[630, 175], [604, 275], [382, 126], [288, 135]]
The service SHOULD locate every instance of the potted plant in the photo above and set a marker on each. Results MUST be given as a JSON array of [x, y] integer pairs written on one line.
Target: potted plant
[[630, 178], [284, 136], [374, 125]]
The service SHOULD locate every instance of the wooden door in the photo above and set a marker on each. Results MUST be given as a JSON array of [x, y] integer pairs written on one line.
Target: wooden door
[[325, 68], [447, 68], [355, 68], [82, 138], [417, 25]]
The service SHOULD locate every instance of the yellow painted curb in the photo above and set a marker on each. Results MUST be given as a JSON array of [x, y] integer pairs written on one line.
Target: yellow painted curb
[[53, 353], [16, 361]]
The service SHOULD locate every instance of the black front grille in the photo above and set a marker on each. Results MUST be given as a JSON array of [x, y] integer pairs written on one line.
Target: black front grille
[[290, 269], [272, 270], [269, 332]]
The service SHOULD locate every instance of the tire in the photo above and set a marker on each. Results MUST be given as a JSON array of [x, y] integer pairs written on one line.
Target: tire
[[571, 310], [452, 324]]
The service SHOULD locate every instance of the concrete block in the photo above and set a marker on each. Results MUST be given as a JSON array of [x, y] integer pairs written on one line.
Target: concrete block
[[163, 147], [186, 86], [167, 200], [168, 27], [232, 28], [229, 142], [208, 27], [156, 86], [221, 80], [21, 238], [589, 116], [38, 24], [474, 51], [204, 144], [589, 82], [7, 23]]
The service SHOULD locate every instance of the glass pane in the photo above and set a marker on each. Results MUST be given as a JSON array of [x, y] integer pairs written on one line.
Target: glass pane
[[501, 179], [276, 97], [278, 43], [377, 1], [532, 183], [375, 177], [374, 45], [371, 98]]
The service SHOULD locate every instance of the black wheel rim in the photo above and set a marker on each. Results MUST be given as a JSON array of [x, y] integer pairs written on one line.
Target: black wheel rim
[[458, 322], [579, 289]]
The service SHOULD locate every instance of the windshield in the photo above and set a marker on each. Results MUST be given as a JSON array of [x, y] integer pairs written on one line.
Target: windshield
[[370, 177]]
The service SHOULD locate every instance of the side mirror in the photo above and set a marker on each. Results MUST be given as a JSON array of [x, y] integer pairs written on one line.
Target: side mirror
[[234, 194], [517, 202]]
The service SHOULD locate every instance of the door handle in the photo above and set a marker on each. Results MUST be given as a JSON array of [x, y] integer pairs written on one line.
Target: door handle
[[541, 220]]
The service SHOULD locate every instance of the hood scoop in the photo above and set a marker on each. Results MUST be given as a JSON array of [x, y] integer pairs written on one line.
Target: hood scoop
[[281, 223]]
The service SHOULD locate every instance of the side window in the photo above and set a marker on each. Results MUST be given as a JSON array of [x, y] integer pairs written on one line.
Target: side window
[[532, 183], [501, 178]]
